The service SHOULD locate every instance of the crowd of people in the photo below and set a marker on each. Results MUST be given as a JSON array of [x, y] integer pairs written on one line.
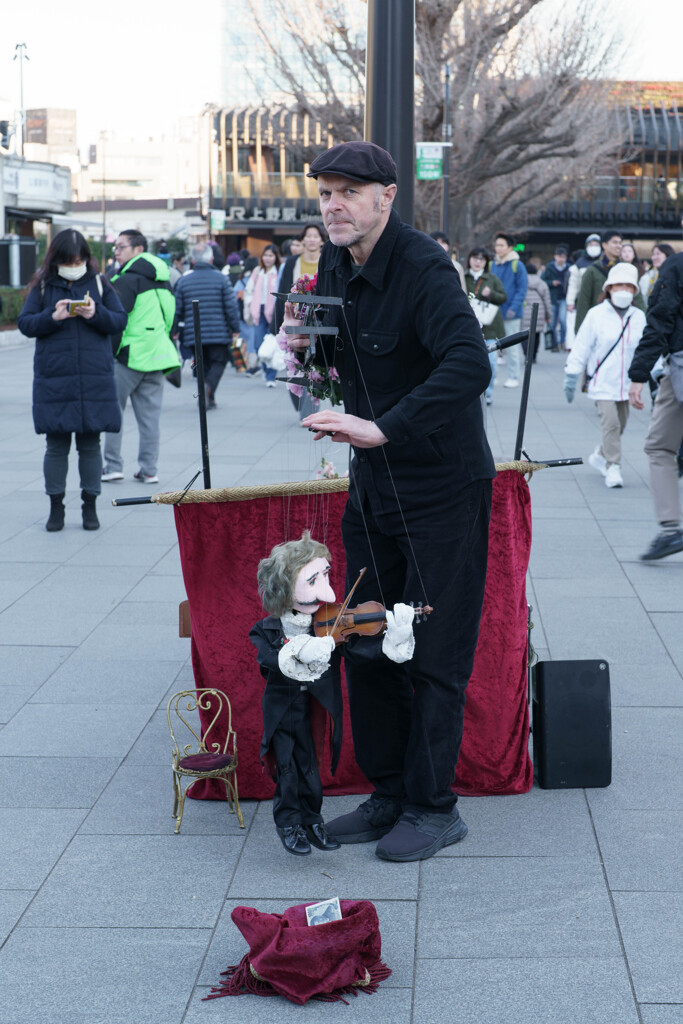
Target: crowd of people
[[592, 305]]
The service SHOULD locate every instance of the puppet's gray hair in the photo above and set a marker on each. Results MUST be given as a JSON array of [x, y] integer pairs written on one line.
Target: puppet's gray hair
[[277, 574]]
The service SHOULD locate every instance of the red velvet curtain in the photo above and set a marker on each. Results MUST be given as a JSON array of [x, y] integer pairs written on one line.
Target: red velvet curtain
[[220, 547]]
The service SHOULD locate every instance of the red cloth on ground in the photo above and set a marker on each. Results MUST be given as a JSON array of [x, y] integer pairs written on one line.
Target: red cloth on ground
[[220, 547], [300, 961]]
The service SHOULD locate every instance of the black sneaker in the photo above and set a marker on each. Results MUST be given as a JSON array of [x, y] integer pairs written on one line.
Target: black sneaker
[[368, 823], [418, 836], [663, 545]]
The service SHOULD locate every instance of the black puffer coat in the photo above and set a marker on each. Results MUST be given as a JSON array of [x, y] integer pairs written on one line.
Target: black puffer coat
[[74, 390], [219, 316], [664, 331]]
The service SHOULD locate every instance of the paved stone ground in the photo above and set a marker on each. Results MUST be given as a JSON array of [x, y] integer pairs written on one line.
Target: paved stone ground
[[558, 907]]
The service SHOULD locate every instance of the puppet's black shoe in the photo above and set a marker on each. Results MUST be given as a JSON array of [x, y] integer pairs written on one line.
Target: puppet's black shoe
[[419, 836], [370, 821], [294, 839], [319, 838]]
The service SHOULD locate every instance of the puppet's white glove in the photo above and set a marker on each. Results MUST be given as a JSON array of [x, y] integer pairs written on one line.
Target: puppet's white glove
[[399, 643], [305, 657]]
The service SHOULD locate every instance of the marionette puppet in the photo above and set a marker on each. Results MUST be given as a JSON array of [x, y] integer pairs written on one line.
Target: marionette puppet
[[303, 681]]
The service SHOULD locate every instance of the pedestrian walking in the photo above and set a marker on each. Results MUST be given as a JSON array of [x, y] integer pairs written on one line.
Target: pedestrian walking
[[484, 290], [556, 276], [663, 336], [218, 315], [259, 297], [509, 268], [72, 312], [660, 253], [604, 347], [143, 353], [537, 292]]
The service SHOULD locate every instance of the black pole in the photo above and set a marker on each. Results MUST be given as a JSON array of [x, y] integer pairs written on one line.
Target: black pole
[[390, 91], [525, 383], [199, 364], [446, 158]]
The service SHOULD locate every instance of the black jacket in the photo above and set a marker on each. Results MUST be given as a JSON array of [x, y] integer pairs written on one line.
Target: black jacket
[[411, 357], [267, 636], [74, 390], [663, 333], [219, 316], [285, 286]]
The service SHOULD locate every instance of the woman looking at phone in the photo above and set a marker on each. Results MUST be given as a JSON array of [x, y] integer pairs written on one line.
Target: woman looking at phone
[[72, 311]]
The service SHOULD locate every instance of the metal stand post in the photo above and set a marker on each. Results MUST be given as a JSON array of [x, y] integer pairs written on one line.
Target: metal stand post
[[390, 91], [525, 383], [199, 364]]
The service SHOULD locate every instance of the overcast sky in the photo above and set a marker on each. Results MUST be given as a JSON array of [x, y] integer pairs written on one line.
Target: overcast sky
[[134, 66]]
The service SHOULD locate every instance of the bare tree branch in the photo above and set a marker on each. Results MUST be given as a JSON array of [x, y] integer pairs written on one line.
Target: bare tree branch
[[531, 116]]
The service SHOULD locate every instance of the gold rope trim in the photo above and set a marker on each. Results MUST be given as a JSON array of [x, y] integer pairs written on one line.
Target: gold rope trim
[[305, 487]]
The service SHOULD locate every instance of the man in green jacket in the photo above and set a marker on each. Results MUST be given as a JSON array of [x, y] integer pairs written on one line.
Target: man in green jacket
[[594, 277], [144, 352]]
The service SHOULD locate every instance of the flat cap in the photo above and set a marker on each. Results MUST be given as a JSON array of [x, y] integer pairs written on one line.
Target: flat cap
[[359, 161], [592, 238]]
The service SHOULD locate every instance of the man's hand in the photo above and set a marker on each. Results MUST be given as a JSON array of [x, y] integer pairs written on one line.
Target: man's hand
[[345, 428], [87, 312], [295, 341], [570, 309], [511, 315], [634, 393]]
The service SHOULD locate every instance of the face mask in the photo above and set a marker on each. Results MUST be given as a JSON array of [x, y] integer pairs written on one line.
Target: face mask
[[621, 299], [593, 251], [73, 273]]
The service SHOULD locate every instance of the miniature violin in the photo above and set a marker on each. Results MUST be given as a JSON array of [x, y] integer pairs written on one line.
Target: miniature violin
[[367, 619]]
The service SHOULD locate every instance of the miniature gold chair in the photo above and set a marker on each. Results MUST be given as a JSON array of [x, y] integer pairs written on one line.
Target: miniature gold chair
[[203, 757]]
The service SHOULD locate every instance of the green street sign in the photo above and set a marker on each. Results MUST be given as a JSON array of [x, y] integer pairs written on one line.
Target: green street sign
[[429, 161]]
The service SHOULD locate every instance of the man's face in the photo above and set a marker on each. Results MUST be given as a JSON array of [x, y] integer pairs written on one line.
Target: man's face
[[124, 251], [352, 210], [443, 243], [296, 247], [312, 587], [501, 248], [560, 258], [612, 249]]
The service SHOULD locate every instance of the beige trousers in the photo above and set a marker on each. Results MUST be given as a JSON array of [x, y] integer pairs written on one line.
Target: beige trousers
[[661, 447], [613, 420]]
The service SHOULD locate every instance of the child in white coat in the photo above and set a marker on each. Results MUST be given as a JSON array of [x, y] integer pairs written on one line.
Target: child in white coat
[[604, 347]]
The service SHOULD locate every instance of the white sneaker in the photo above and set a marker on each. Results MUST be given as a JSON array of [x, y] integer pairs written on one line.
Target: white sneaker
[[108, 476], [613, 476], [597, 461], [271, 384], [511, 383], [145, 478]]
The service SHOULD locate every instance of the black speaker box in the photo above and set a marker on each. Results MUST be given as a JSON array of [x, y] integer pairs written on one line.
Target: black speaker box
[[572, 724]]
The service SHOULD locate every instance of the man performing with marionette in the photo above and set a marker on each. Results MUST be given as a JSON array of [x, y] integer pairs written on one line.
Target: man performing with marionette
[[299, 658], [412, 364]]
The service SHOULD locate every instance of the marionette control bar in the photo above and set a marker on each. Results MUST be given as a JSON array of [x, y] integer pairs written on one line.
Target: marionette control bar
[[296, 329], [316, 300]]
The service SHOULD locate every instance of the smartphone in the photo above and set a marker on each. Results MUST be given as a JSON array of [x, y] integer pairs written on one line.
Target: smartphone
[[78, 303]]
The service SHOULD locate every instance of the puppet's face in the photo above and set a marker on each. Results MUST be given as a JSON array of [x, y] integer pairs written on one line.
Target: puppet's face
[[312, 587]]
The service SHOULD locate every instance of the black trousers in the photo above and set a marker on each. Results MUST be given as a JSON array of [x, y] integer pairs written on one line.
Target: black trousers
[[407, 720], [298, 789], [215, 360]]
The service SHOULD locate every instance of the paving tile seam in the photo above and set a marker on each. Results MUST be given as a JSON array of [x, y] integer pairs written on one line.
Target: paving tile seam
[[615, 916], [226, 898], [525, 957], [36, 892]]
